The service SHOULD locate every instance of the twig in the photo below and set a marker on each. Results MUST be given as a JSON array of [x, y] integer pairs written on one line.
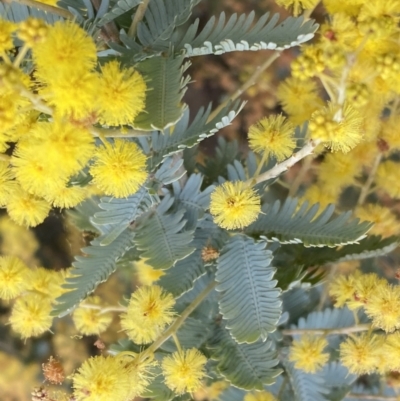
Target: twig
[[178, 322], [327, 332], [104, 310], [46, 7], [37, 103], [282, 167], [366, 187], [246, 85], [141, 10]]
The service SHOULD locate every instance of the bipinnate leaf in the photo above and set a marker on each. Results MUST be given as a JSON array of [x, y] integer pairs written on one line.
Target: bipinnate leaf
[[93, 268], [247, 366], [293, 223], [249, 301], [161, 236], [166, 87]]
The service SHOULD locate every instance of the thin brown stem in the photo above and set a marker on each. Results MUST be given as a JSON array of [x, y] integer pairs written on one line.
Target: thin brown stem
[[327, 332], [178, 322], [285, 165], [366, 187], [46, 7], [141, 10], [246, 85]]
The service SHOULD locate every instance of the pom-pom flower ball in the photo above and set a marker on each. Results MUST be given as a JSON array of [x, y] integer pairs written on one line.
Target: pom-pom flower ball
[[272, 136], [13, 277], [149, 311], [307, 353], [119, 170], [184, 370], [234, 205]]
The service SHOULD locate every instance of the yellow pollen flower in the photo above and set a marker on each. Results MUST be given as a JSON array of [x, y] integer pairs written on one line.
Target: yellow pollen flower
[[360, 353], [30, 315], [13, 277], [298, 5], [184, 370], [7, 184], [385, 221], [119, 170], [66, 197], [383, 307], [90, 320], [272, 136], [259, 396], [233, 205], [127, 89], [68, 47], [387, 178], [6, 30], [342, 288], [339, 127], [32, 30], [299, 99], [364, 287], [307, 355], [26, 209], [72, 94], [47, 282], [149, 311], [102, 379]]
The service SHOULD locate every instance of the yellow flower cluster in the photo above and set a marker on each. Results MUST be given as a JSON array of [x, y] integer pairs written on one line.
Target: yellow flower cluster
[[36, 289], [380, 300], [50, 118], [371, 353]]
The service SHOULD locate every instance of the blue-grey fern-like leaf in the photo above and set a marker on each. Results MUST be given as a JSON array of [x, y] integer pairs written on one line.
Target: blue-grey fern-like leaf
[[337, 379], [306, 386], [249, 301], [246, 366], [241, 34], [232, 394], [161, 236], [192, 334], [238, 33], [161, 18], [81, 214], [123, 212], [167, 85], [92, 269], [181, 277], [288, 223], [215, 166], [184, 135], [120, 213], [327, 319], [190, 198], [17, 12], [119, 8]]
